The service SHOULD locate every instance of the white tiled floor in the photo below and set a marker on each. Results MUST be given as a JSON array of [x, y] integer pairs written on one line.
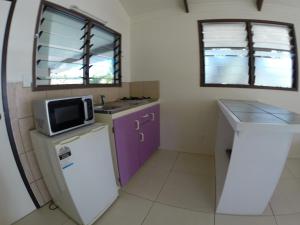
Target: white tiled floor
[[178, 189]]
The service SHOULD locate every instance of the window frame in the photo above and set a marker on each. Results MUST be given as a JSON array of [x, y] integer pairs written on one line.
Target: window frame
[[251, 61], [90, 22]]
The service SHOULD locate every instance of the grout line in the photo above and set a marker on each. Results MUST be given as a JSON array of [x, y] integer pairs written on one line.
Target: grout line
[[274, 216], [165, 182], [290, 171], [177, 207], [143, 221], [136, 195], [214, 218]]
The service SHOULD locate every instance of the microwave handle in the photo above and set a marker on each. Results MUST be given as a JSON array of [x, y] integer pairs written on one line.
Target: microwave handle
[[87, 115], [85, 109]]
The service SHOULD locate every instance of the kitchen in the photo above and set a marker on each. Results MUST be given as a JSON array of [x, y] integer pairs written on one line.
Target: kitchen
[[160, 59]]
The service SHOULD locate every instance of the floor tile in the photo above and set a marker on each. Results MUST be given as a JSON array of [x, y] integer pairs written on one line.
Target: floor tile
[[288, 219], [44, 216], [147, 182], [194, 163], [163, 159], [127, 210], [70, 222], [294, 167], [286, 198], [167, 215], [189, 191], [286, 173], [244, 220], [268, 211]]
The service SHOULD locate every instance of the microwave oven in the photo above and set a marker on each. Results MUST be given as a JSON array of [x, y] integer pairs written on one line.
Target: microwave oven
[[55, 116]]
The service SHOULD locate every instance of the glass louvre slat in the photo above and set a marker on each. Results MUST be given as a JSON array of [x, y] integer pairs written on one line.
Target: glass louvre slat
[[273, 46], [59, 40], [55, 54], [273, 53], [58, 54], [273, 67], [226, 52], [52, 15], [220, 44]]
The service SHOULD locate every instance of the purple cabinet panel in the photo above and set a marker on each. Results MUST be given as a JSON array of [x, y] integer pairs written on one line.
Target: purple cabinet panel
[[150, 132], [127, 145], [137, 136]]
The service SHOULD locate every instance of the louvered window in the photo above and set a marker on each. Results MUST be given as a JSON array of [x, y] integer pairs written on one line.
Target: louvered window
[[244, 53], [74, 50]]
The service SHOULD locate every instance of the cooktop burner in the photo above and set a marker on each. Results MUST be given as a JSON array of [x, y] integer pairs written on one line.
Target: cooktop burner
[[135, 98]]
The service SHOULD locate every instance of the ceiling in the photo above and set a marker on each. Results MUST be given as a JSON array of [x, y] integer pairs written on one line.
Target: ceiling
[[139, 7]]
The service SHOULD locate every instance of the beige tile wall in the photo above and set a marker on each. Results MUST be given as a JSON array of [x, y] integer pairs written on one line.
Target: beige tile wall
[[20, 107], [145, 88]]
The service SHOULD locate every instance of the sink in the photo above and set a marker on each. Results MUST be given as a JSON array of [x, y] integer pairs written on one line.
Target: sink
[[111, 108]]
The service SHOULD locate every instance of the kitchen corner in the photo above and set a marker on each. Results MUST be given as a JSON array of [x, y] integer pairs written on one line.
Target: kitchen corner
[[20, 106]]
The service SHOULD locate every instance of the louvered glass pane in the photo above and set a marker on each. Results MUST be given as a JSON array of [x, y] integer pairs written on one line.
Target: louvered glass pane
[[273, 55], [59, 51], [273, 69], [224, 35], [226, 53], [105, 57], [226, 70], [271, 36]]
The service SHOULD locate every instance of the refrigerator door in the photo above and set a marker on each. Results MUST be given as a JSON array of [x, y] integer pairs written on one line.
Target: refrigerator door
[[86, 164]]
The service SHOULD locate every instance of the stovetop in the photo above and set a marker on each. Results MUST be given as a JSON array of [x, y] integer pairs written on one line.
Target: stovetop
[[133, 98]]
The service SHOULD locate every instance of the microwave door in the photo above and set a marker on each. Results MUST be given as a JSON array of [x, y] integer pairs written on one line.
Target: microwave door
[[66, 114]]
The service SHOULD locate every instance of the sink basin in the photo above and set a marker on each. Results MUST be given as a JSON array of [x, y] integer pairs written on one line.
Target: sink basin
[[111, 108]]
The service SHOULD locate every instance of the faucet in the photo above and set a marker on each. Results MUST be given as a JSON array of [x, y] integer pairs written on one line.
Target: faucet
[[102, 99]]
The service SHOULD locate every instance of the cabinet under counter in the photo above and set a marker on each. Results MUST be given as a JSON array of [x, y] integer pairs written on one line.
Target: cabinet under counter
[[134, 136]]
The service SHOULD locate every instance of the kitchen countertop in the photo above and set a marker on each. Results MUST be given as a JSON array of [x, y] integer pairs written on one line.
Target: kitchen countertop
[[130, 108], [243, 115], [257, 112]]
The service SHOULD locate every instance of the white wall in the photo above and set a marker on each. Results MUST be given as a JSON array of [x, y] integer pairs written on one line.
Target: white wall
[[165, 47], [15, 201], [23, 28]]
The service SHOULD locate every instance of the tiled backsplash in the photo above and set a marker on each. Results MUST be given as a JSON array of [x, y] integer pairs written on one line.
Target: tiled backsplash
[[20, 108], [145, 88]]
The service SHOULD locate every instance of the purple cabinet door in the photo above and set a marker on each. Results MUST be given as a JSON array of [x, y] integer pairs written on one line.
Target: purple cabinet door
[[146, 140], [149, 133], [127, 146], [137, 136]]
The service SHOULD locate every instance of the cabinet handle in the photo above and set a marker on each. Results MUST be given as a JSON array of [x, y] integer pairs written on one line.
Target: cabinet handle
[[137, 124], [153, 116], [146, 115], [142, 137]]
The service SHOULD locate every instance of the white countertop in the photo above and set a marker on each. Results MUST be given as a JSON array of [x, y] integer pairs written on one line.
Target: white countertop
[[252, 113]]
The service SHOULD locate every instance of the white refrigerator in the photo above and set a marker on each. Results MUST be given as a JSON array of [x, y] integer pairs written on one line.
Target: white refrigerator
[[78, 170]]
